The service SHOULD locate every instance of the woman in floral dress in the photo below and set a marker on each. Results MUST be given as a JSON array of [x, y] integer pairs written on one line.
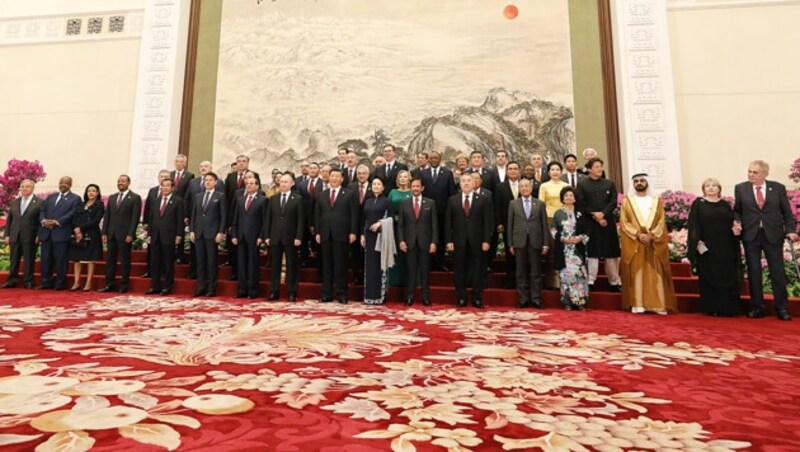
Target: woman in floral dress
[[569, 230]]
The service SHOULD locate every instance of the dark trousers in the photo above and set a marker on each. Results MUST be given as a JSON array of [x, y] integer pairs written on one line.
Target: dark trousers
[[438, 258], [26, 250], [773, 252], [529, 274], [162, 264], [334, 268], [276, 253], [470, 266], [54, 256], [419, 267], [207, 272], [148, 260], [232, 249], [123, 250], [511, 264], [247, 271], [192, 259], [357, 262]]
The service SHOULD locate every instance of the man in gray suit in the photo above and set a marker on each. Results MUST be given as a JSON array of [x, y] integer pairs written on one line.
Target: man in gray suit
[[21, 228], [527, 225], [571, 175]]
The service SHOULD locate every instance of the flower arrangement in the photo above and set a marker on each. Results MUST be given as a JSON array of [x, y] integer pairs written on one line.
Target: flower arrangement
[[677, 205], [794, 171], [678, 245], [17, 171]]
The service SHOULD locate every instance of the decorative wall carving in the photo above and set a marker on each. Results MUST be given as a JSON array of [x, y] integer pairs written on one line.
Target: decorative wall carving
[[645, 94], [71, 27], [710, 4]]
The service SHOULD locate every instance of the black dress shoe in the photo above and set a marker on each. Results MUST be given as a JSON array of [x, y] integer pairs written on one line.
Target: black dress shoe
[[477, 304], [166, 292], [199, 292], [537, 304], [273, 296], [151, 291], [240, 295], [343, 300], [292, 297], [44, 287], [523, 304], [107, 289], [29, 285], [409, 301], [59, 288], [146, 275], [211, 293], [10, 285], [426, 301], [123, 289], [784, 315], [616, 289], [252, 296], [757, 313], [462, 303], [326, 300]]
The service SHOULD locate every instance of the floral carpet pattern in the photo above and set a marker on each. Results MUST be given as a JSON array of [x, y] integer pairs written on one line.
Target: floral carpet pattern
[[200, 374]]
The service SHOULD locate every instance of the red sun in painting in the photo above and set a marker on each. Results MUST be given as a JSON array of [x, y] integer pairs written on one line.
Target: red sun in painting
[[510, 12]]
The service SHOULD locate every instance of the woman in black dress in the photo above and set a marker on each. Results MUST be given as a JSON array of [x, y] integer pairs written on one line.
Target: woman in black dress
[[713, 250], [376, 207], [87, 246]]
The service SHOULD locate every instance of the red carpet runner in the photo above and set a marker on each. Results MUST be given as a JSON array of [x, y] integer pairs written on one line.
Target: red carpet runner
[[148, 373]]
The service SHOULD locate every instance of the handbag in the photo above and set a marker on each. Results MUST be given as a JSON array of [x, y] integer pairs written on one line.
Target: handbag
[[83, 243]]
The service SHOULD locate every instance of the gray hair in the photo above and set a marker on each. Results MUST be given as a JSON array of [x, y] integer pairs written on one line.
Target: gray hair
[[761, 164]]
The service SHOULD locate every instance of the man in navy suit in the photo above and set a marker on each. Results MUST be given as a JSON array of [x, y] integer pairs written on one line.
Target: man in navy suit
[[55, 220], [388, 171], [439, 186], [763, 217], [119, 230], [166, 231], [336, 220], [207, 230], [418, 232], [197, 185], [249, 213], [22, 225]]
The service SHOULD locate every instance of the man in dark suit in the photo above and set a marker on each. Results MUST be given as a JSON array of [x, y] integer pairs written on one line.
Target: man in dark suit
[[165, 232], [309, 191], [763, 216], [249, 215], [196, 186], [233, 182], [182, 178], [468, 229], [119, 230], [207, 230], [488, 176], [571, 175], [153, 197], [21, 233], [423, 158], [55, 220], [284, 233], [477, 182], [388, 171], [506, 192], [528, 231], [350, 168], [361, 189], [418, 232], [540, 174], [439, 186], [336, 224]]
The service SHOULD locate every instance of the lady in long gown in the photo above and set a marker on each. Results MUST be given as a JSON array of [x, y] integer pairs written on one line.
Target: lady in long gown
[[713, 250], [398, 274], [87, 246], [550, 195], [570, 234], [375, 208]]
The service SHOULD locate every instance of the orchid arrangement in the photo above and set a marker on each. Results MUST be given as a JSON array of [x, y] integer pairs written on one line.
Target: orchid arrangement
[[17, 171]]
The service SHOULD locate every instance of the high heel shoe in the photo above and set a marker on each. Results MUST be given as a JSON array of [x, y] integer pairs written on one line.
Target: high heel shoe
[[87, 288], [75, 287]]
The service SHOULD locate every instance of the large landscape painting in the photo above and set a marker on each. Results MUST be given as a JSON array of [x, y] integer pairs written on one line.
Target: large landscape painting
[[299, 78]]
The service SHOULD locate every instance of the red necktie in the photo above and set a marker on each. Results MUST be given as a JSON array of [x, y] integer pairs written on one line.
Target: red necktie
[[247, 204], [416, 207], [163, 206], [239, 183], [759, 197], [311, 187], [466, 206], [361, 194], [177, 178], [333, 197]]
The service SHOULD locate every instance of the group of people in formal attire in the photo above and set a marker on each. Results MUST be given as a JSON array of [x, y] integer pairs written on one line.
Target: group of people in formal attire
[[391, 226]]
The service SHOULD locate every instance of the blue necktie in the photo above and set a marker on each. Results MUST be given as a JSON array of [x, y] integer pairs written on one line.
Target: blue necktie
[[527, 207]]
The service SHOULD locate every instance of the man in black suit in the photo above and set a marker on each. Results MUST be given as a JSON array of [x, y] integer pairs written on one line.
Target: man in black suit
[[540, 174], [763, 216], [336, 224], [249, 215], [468, 229], [182, 178], [528, 241], [571, 175], [284, 233], [21, 230], [153, 197], [55, 220], [439, 186], [233, 182], [350, 168], [207, 230], [488, 176], [119, 230], [418, 232], [506, 192], [196, 186], [388, 171], [361, 189], [477, 182], [165, 232], [309, 191], [423, 158], [501, 167]]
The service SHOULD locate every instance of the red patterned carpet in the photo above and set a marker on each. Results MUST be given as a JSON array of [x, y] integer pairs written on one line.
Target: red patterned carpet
[[147, 373]]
